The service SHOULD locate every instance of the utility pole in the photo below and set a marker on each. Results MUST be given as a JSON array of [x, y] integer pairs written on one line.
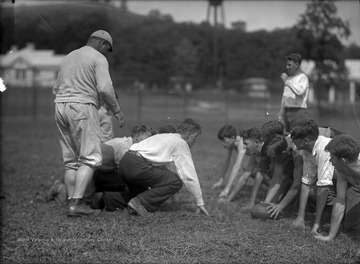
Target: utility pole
[[216, 5], [124, 5]]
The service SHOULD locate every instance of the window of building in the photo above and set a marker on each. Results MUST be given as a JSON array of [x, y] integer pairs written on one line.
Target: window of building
[[20, 74]]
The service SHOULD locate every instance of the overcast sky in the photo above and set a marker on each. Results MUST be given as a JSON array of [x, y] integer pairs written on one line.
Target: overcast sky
[[267, 15], [257, 14]]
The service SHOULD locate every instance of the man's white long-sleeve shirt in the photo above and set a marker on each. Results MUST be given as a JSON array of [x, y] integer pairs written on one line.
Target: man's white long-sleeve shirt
[[173, 152], [296, 91]]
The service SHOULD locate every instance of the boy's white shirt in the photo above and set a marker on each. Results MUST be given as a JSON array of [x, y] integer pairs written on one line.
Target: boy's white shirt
[[325, 169], [120, 146], [173, 152]]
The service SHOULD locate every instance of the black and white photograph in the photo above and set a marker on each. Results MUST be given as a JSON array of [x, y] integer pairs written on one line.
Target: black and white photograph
[[194, 131]]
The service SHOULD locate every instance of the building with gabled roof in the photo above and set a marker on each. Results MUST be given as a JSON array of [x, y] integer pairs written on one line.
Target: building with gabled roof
[[29, 67], [353, 68]]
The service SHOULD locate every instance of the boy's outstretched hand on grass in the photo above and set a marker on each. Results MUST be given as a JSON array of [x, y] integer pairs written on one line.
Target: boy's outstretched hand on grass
[[218, 184], [224, 193], [274, 210]]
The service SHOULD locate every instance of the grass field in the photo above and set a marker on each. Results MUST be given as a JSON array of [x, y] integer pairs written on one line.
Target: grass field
[[34, 231]]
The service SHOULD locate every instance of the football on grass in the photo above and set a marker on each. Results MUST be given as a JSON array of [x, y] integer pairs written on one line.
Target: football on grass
[[259, 211]]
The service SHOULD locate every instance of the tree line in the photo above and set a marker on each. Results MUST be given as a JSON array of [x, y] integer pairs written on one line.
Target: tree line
[[153, 48]]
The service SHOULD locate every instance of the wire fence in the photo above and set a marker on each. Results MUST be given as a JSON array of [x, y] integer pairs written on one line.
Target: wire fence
[[206, 105], [38, 102]]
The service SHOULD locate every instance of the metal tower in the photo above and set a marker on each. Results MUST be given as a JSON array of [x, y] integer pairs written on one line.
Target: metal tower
[[216, 5]]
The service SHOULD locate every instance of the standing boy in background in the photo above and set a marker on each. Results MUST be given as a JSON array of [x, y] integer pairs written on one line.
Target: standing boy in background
[[295, 95]]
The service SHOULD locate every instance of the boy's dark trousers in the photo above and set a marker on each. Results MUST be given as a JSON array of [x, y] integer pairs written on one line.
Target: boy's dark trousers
[[153, 185]]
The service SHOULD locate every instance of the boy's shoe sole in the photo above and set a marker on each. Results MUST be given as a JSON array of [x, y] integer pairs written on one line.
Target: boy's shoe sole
[[136, 207]]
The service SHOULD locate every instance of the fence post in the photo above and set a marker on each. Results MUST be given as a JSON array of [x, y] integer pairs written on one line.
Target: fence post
[[227, 105], [185, 104], [35, 94], [140, 99], [35, 101]]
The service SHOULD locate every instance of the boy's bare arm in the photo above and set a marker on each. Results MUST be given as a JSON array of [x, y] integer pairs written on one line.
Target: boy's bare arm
[[275, 182], [234, 172], [338, 210], [224, 169], [321, 196], [275, 209], [304, 195], [240, 184], [259, 177]]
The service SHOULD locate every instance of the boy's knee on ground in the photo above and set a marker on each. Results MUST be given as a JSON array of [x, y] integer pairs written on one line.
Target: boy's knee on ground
[[114, 200]]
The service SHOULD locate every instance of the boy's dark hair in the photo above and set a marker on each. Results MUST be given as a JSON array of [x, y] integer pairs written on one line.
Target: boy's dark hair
[[295, 57], [251, 133], [305, 128], [271, 128], [141, 128], [188, 125], [227, 131], [276, 146], [167, 129], [344, 146]]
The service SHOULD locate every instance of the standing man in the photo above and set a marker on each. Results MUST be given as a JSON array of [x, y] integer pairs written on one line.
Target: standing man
[[295, 95], [83, 82], [157, 167]]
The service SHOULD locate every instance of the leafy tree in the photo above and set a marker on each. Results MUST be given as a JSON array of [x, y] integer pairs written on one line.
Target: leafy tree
[[155, 13], [319, 31], [144, 46], [186, 59]]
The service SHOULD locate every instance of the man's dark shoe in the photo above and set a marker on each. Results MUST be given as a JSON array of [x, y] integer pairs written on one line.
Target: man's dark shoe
[[136, 207], [77, 207]]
